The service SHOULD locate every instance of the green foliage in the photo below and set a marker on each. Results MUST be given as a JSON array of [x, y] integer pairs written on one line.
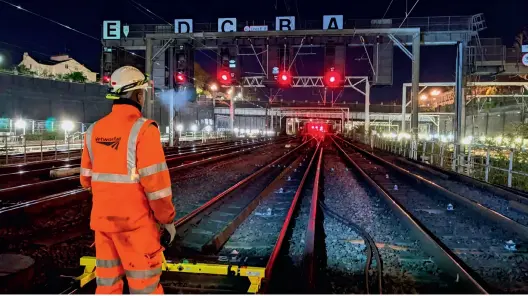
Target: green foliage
[[23, 70], [45, 136], [75, 77]]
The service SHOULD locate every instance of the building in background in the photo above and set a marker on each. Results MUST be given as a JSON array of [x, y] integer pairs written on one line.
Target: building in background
[[58, 65]]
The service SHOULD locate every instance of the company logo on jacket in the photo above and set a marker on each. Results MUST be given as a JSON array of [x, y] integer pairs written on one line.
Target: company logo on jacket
[[110, 142]]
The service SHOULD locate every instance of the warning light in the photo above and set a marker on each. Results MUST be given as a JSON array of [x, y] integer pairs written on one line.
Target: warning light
[[106, 79], [179, 77], [224, 77], [332, 78], [284, 78]]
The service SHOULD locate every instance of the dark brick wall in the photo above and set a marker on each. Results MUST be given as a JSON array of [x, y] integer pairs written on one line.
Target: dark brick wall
[[39, 99]]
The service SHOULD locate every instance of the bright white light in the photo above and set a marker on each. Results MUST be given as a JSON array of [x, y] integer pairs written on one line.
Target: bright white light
[[254, 131], [21, 123], [179, 127], [404, 136], [435, 92], [1, 59], [208, 128], [498, 139], [67, 125], [482, 138], [230, 91], [423, 97], [332, 79], [236, 129], [239, 95], [194, 127], [467, 140]]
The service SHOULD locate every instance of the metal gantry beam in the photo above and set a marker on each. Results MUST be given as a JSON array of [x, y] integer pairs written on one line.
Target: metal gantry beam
[[306, 81]]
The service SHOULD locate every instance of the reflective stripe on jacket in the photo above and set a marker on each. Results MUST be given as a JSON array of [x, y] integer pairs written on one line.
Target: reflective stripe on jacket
[[124, 164]]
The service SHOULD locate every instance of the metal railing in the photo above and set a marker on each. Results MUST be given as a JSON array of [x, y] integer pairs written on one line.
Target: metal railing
[[502, 165], [426, 24], [17, 149]]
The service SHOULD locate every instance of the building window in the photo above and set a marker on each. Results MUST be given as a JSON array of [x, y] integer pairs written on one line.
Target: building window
[[66, 66]]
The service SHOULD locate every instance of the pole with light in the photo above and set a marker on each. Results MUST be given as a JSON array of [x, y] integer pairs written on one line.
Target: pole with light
[[214, 88], [67, 127], [21, 124], [180, 129], [194, 128]]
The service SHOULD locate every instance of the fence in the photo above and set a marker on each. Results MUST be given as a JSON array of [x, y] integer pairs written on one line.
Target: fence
[[501, 165], [18, 149]]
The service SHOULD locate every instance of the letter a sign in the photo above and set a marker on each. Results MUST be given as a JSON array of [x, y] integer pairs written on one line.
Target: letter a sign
[[333, 22]]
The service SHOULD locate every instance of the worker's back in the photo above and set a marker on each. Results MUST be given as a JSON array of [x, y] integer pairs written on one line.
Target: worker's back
[[119, 201]]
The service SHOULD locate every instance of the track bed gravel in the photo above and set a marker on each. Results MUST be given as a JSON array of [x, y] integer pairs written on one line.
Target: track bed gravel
[[406, 267], [198, 185], [480, 243], [257, 235], [484, 197], [29, 235]]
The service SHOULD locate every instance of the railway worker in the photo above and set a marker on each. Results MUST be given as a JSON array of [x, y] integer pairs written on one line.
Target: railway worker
[[124, 166]]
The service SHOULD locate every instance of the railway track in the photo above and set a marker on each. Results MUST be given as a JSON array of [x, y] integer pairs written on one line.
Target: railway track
[[211, 236], [34, 198], [334, 218], [30, 157], [29, 183], [40, 236], [506, 201], [20, 174], [476, 238]]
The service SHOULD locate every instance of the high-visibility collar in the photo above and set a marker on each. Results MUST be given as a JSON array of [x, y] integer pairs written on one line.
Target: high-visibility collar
[[126, 109]]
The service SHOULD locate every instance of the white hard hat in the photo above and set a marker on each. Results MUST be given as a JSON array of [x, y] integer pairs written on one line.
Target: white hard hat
[[126, 79]]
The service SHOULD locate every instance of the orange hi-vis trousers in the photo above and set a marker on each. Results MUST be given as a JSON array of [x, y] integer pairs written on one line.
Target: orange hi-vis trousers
[[136, 254]]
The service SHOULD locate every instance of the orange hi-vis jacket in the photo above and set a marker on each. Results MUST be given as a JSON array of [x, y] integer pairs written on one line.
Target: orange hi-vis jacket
[[124, 165]]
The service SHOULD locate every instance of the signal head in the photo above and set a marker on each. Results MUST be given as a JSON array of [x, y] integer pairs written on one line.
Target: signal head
[[284, 78], [224, 77], [179, 77], [332, 79]]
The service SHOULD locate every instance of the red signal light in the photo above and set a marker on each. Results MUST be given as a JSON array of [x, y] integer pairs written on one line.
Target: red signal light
[[224, 77], [284, 78], [106, 79], [179, 77], [332, 78]]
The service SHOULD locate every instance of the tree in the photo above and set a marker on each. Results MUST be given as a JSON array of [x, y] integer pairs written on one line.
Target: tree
[[201, 77], [22, 69], [76, 77]]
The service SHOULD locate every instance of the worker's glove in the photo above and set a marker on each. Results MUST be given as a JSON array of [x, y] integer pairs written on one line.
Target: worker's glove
[[171, 229]]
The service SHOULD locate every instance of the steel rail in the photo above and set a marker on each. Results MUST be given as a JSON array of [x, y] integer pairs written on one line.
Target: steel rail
[[444, 257], [21, 191], [45, 201], [21, 174], [476, 207], [194, 214], [309, 256], [287, 222], [17, 168]]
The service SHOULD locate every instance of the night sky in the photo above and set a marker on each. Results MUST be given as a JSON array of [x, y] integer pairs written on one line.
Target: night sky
[[21, 31]]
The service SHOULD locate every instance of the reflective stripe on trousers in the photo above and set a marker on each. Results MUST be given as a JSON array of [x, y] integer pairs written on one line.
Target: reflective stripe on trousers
[[147, 290], [131, 156], [86, 172], [108, 282]]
